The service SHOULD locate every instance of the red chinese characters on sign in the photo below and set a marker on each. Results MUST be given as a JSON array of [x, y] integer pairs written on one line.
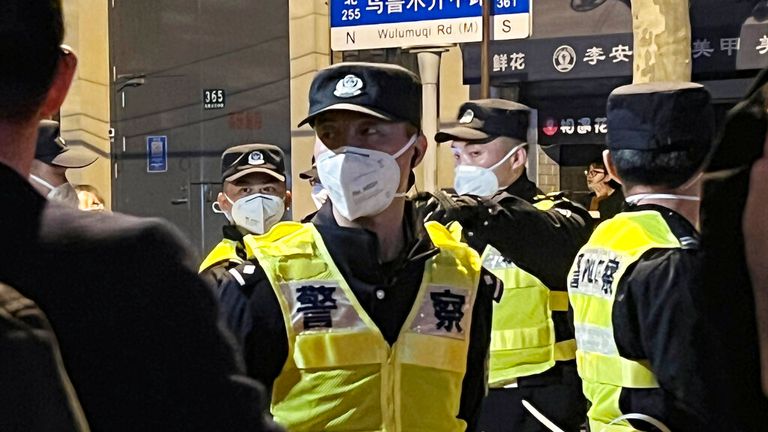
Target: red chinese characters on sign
[[245, 120]]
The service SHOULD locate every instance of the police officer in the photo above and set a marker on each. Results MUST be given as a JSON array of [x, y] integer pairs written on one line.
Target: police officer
[[366, 318], [48, 172], [532, 347], [633, 285], [490, 149], [254, 197]]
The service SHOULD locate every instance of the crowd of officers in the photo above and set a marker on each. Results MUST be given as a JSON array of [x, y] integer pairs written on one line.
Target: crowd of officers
[[487, 307]]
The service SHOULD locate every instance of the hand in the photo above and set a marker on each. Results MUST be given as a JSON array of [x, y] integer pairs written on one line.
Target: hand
[[445, 208]]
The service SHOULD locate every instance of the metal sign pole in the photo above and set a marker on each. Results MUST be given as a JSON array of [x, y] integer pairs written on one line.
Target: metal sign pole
[[485, 68]]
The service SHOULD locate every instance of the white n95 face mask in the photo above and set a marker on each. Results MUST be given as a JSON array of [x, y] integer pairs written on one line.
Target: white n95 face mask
[[475, 180], [256, 213], [319, 195], [361, 182], [64, 193]]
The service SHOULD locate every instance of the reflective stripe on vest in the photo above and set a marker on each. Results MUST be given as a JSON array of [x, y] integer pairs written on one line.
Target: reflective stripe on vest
[[226, 250], [615, 245], [341, 374], [523, 337]]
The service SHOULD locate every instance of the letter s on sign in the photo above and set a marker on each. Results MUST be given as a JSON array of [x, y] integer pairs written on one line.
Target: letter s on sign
[[506, 26]]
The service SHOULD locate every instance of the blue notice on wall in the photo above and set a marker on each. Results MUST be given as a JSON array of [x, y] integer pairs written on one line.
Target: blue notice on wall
[[157, 154]]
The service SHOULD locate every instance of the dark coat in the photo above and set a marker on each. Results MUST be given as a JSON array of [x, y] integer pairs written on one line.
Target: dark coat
[[139, 331], [35, 395]]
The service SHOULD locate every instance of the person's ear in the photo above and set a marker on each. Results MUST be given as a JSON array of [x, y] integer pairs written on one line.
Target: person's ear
[[610, 167], [519, 158], [224, 204], [420, 149], [288, 199], [62, 79]]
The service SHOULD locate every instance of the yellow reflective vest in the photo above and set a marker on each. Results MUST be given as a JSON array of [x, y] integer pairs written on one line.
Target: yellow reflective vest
[[614, 246], [523, 339], [523, 336], [341, 374], [226, 250]]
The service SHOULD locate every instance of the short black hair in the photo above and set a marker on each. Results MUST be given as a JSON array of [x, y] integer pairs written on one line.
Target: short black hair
[[658, 168], [31, 33], [598, 162]]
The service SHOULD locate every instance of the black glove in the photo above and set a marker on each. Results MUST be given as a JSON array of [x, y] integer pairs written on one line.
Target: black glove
[[446, 208]]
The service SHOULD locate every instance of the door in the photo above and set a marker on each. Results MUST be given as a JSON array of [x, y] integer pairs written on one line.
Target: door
[[193, 75]]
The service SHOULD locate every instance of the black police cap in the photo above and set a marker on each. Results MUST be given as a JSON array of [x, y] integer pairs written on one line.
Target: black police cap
[[245, 159], [385, 91], [662, 116], [53, 150], [485, 119]]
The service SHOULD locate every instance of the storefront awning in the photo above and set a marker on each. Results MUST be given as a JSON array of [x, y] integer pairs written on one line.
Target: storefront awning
[[589, 39], [580, 50]]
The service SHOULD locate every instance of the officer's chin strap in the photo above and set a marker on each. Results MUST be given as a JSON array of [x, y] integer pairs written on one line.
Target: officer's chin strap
[[642, 417], [541, 417]]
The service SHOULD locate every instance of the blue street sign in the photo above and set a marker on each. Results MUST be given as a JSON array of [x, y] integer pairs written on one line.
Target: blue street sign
[[157, 154], [366, 24], [345, 13]]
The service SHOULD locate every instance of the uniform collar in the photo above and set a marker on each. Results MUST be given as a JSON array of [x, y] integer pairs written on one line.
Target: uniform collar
[[523, 188], [360, 246], [679, 225], [231, 232]]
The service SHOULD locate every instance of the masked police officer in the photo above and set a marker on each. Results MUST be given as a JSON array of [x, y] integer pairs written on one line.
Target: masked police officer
[[490, 148], [530, 249], [254, 197], [633, 285], [366, 318], [53, 158]]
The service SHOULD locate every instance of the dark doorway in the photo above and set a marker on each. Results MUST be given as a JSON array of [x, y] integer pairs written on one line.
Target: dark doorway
[[164, 55]]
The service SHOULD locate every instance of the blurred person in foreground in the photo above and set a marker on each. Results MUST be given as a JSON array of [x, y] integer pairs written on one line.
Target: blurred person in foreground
[[756, 241], [139, 333], [36, 393], [734, 294]]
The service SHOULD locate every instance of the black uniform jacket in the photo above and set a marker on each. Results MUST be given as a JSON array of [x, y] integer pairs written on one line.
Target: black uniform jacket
[[138, 329], [523, 188], [655, 317], [543, 243], [257, 320]]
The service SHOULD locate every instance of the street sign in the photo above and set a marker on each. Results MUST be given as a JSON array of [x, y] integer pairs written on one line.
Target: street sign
[[157, 154], [369, 24]]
